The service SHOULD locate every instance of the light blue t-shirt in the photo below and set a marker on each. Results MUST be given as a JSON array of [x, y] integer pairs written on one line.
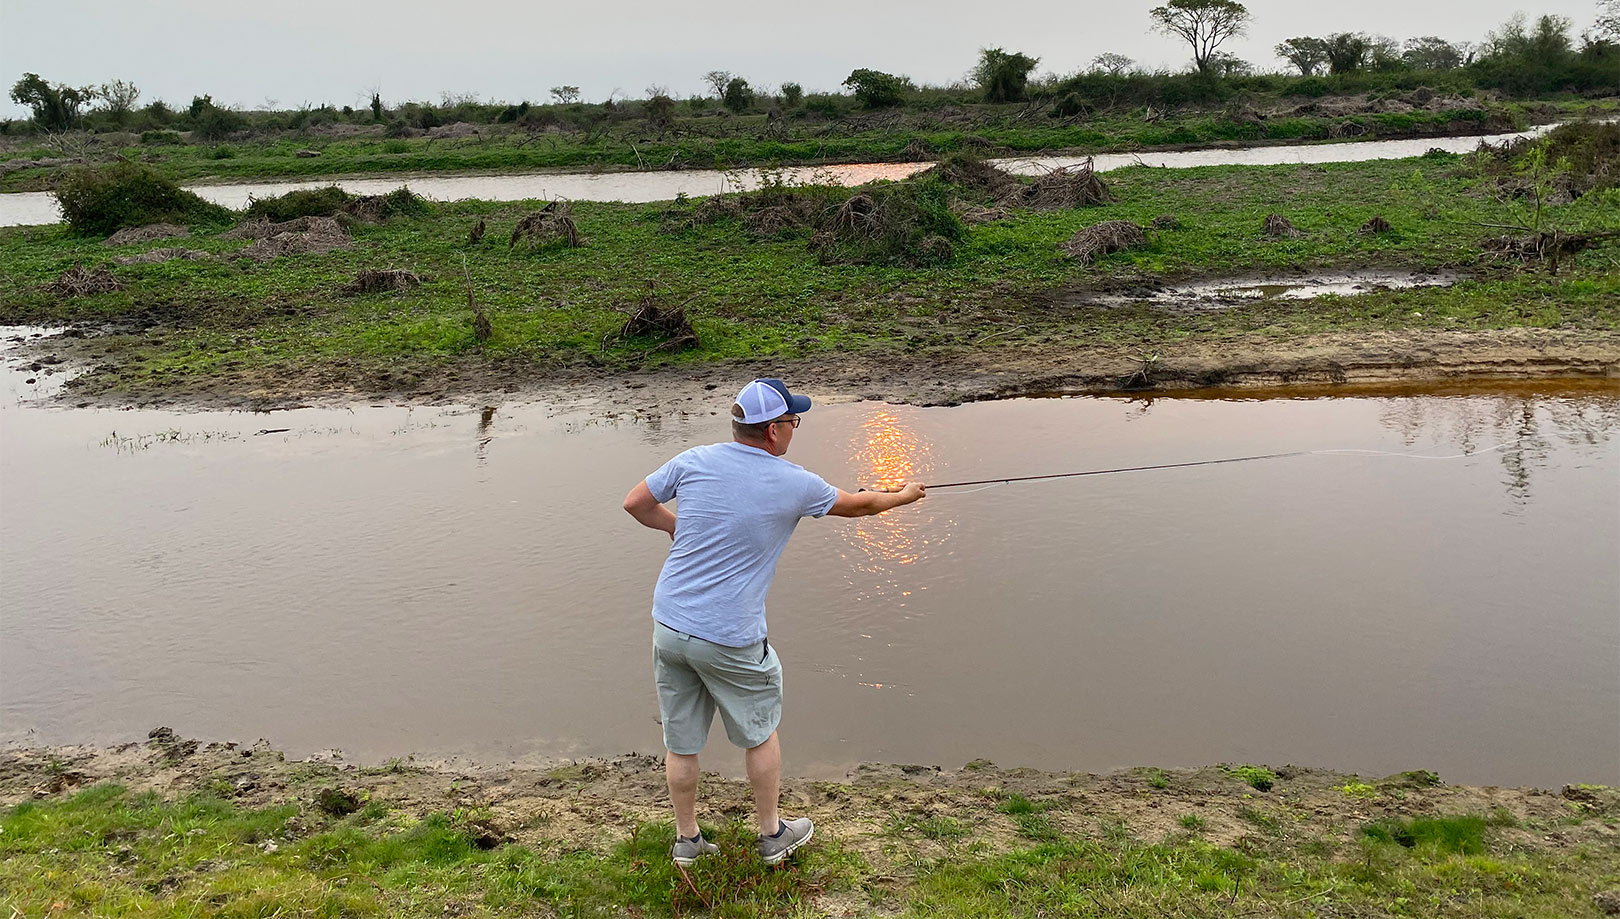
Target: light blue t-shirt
[[738, 507]]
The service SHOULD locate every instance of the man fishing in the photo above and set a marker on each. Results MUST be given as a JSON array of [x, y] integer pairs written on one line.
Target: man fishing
[[739, 502]]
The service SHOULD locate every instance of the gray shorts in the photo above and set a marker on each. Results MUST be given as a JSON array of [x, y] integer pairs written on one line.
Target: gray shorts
[[695, 677]]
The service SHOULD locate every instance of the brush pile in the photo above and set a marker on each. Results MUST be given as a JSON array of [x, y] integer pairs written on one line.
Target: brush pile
[[301, 236], [1279, 227], [1103, 238], [552, 224], [650, 319], [372, 280], [401, 202], [1062, 189], [772, 210], [895, 223], [1546, 247], [80, 281], [158, 256], [132, 235]]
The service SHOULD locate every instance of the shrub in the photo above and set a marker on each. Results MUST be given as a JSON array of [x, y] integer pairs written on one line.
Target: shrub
[[161, 138], [875, 89], [894, 223], [792, 93], [99, 202], [305, 202], [739, 96]]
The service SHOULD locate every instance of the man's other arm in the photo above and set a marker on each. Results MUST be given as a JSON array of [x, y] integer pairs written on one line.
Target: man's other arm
[[641, 504], [867, 503]]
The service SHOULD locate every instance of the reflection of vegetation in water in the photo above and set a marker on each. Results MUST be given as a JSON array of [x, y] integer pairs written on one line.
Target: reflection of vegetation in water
[[1525, 425], [133, 443]]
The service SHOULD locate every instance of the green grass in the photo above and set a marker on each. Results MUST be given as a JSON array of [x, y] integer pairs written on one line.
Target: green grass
[[770, 298], [107, 852], [1258, 777]]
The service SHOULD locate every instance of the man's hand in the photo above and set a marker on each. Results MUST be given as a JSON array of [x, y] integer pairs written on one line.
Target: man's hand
[[867, 503]]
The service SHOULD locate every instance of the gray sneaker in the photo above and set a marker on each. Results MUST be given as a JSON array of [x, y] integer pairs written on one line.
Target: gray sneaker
[[792, 835], [686, 852]]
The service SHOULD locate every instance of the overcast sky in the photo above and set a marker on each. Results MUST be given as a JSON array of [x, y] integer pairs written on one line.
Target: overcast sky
[[302, 51]]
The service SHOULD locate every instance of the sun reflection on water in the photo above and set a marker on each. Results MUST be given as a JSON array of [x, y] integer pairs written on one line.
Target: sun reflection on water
[[887, 453]]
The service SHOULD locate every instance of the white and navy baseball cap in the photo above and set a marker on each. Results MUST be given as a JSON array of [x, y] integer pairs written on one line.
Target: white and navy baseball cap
[[768, 400]]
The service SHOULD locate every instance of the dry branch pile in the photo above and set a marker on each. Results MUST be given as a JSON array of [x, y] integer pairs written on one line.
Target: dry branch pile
[[302, 236], [373, 280], [649, 318], [158, 256], [131, 235], [80, 281], [1279, 227], [1063, 188], [769, 211], [551, 224], [1547, 246], [1103, 238]]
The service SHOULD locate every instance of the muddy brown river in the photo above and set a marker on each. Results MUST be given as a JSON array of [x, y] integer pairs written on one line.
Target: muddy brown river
[[35, 208], [462, 581]]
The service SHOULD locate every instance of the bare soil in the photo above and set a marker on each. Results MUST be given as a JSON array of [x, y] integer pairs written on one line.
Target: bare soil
[[594, 803], [916, 373]]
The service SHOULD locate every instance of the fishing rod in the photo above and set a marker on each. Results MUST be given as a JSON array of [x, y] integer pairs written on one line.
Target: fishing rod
[[1213, 462]]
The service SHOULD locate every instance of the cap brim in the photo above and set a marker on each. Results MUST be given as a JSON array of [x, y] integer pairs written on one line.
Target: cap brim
[[798, 404]]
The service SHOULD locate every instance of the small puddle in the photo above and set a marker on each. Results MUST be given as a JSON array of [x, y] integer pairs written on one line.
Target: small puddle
[[1229, 292]]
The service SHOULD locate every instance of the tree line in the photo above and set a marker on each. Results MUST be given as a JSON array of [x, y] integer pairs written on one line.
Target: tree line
[[1519, 58]]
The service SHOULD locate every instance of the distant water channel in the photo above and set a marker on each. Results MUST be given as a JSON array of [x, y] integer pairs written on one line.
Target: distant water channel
[[36, 208], [389, 580]]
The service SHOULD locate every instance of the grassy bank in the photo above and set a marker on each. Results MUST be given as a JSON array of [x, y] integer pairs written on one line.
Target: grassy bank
[[553, 308], [182, 831], [757, 140]]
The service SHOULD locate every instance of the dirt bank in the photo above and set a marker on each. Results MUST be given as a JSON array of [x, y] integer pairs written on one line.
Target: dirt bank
[[928, 375], [594, 802], [246, 832]]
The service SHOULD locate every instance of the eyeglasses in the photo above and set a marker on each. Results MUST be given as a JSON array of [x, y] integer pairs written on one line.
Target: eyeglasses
[[792, 421]]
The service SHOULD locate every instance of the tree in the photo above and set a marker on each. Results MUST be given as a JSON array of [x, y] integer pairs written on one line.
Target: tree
[[56, 108], [1230, 65], [1003, 77], [660, 107], [1115, 64], [120, 96], [1203, 24], [717, 80], [1607, 26], [376, 106], [1306, 53], [1347, 51], [876, 89], [1431, 52], [739, 96], [791, 94], [1384, 54], [565, 95]]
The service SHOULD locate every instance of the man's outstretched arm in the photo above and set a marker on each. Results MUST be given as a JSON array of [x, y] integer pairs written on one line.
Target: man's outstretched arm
[[641, 504], [867, 503]]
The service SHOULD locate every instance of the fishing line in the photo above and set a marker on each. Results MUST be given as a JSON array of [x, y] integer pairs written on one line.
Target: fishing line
[[1348, 451]]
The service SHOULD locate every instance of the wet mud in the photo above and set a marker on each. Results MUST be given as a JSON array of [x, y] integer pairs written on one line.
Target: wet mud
[[912, 371]]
